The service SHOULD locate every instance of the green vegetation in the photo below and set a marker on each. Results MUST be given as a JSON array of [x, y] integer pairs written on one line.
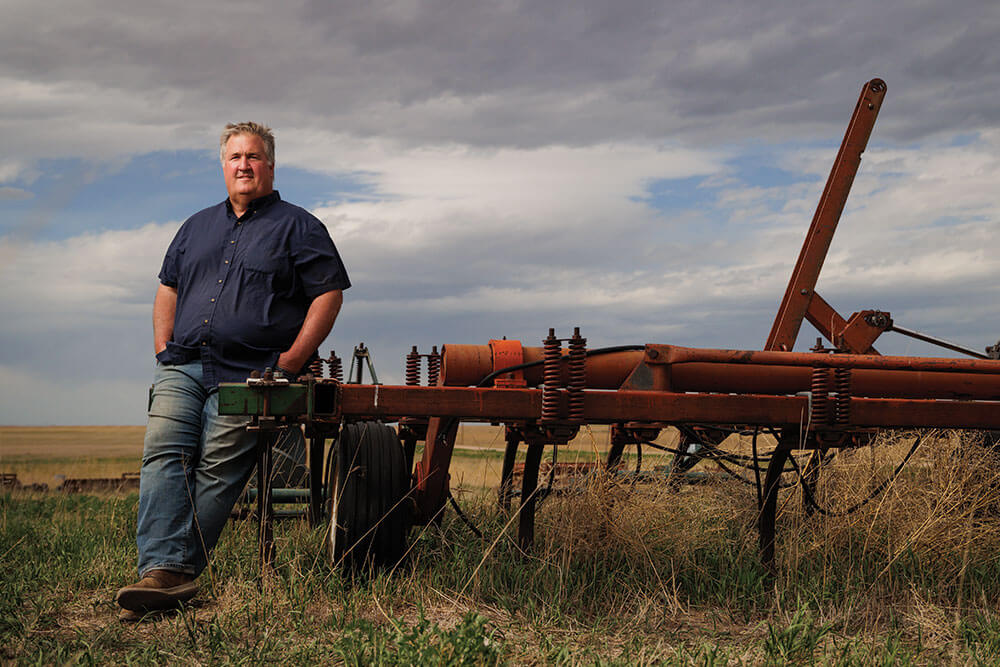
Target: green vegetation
[[622, 573]]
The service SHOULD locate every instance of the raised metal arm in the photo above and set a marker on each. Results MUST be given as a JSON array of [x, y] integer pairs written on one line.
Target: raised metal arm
[[801, 288]]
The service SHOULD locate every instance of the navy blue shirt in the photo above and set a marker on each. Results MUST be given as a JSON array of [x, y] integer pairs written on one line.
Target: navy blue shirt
[[244, 285]]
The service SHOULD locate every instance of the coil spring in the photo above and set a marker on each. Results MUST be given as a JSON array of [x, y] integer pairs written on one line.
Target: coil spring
[[820, 396], [336, 367], [577, 375], [316, 368], [552, 350], [842, 381], [413, 368], [433, 367]]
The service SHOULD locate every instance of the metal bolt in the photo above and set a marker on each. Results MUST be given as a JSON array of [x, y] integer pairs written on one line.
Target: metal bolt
[[653, 354]]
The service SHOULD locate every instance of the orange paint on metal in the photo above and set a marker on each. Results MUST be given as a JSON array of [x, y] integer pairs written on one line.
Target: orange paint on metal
[[801, 287], [507, 353]]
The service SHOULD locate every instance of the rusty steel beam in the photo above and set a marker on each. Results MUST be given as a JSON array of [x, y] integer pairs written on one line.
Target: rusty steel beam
[[802, 285], [826, 320], [674, 354], [915, 413], [763, 379], [433, 482], [607, 407], [600, 407]]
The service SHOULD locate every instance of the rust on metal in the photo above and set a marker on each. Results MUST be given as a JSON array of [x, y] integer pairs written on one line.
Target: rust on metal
[[675, 354], [831, 397], [609, 407], [468, 365], [801, 288], [508, 354]]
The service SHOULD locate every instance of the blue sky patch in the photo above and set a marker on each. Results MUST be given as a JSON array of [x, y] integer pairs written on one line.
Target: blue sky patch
[[675, 194], [74, 196], [759, 166]]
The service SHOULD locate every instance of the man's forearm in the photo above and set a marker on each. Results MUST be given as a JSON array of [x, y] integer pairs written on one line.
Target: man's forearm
[[164, 309], [319, 320]]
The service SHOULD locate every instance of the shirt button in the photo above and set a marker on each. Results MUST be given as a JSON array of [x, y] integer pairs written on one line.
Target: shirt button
[[204, 342], [227, 261], [220, 282], [213, 300], [206, 321], [232, 241]]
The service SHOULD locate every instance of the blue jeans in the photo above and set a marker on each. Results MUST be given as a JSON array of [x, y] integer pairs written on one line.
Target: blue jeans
[[195, 463]]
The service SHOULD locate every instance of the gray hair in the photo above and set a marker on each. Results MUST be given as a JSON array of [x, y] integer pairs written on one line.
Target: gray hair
[[249, 127]]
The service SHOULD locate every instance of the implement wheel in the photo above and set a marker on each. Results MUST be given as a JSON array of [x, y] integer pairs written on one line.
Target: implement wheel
[[367, 484]]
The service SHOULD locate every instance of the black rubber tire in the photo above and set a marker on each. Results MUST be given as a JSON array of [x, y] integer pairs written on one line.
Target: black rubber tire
[[367, 484]]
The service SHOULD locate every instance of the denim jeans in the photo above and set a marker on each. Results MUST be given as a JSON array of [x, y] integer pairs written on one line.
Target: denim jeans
[[195, 463]]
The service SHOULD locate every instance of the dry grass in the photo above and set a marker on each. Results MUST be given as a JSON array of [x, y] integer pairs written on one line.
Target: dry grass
[[70, 442], [623, 571], [920, 560], [41, 454]]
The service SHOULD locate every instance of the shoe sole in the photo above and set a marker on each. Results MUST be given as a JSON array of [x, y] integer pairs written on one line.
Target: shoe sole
[[141, 599], [129, 617]]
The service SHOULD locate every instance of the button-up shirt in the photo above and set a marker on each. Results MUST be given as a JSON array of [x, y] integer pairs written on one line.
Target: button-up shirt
[[244, 285]]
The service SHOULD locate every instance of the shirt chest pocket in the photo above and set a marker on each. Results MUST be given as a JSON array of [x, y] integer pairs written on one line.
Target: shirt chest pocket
[[269, 265]]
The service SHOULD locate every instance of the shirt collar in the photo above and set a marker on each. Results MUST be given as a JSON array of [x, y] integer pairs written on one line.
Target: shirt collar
[[258, 204]]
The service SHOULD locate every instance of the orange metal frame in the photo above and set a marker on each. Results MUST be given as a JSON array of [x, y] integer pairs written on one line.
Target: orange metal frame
[[815, 399], [811, 400]]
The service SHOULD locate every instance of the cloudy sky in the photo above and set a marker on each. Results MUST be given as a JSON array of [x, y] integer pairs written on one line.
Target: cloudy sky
[[643, 170]]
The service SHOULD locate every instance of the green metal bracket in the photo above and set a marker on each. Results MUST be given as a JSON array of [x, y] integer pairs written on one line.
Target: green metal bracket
[[285, 400]]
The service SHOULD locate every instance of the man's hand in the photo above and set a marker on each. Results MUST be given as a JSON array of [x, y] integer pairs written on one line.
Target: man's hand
[[319, 320], [164, 309]]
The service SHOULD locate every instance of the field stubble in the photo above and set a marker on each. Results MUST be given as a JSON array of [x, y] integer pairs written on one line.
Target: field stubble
[[623, 572]]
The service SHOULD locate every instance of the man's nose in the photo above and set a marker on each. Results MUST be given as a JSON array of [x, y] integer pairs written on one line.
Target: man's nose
[[244, 163]]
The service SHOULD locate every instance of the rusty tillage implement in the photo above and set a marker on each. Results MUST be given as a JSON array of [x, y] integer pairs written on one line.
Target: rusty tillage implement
[[830, 398]]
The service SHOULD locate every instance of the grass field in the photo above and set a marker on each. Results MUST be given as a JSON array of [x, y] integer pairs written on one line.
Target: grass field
[[38, 455], [42, 455], [622, 573]]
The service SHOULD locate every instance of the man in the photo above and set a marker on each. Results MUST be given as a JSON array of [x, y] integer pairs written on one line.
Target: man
[[251, 283]]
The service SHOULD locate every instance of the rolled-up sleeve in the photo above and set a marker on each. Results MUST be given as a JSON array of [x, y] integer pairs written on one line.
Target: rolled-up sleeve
[[170, 271], [317, 262]]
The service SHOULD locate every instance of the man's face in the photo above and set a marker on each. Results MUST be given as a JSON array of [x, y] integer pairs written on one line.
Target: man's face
[[248, 173]]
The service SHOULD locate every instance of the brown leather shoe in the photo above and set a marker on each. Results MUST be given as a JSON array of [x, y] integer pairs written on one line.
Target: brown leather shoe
[[159, 589]]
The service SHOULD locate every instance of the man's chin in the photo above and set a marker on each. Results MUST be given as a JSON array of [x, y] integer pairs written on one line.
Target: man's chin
[[248, 192]]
